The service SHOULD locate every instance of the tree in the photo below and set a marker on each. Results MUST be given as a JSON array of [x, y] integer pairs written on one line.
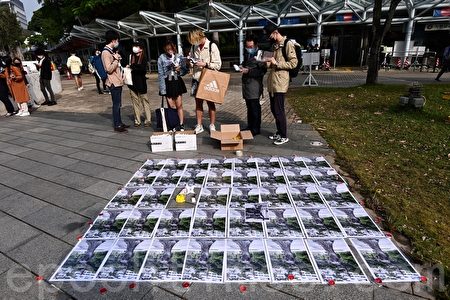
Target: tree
[[10, 30], [378, 33]]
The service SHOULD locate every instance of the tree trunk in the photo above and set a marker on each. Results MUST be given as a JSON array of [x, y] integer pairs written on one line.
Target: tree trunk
[[378, 33]]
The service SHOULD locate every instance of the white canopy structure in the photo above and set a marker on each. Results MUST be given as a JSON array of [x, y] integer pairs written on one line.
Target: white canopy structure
[[220, 17]]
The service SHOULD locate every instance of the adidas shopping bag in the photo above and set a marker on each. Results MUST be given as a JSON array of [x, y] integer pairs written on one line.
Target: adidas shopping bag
[[213, 85]]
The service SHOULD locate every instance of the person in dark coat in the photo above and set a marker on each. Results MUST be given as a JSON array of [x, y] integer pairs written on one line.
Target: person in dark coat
[[138, 91], [4, 90], [252, 84], [44, 65]]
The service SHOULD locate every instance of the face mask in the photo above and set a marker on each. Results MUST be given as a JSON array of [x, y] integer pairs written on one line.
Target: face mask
[[136, 50], [251, 51], [40, 56], [97, 53], [116, 45]]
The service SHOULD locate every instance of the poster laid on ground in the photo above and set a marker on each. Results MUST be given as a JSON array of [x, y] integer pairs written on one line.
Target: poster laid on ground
[[356, 222], [164, 260], [125, 260], [205, 260], [335, 261], [246, 260], [210, 223], [283, 223], [108, 224], [141, 223], [290, 261], [384, 260], [319, 222], [306, 196], [272, 219], [126, 198], [84, 261]]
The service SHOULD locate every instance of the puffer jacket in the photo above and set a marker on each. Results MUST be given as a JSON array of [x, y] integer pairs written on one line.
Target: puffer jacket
[[278, 77], [214, 62]]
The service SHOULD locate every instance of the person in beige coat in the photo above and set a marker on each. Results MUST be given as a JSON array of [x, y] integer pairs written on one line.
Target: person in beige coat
[[278, 80], [204, 54]]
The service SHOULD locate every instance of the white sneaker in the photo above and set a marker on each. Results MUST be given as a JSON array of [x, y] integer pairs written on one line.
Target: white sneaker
[[212, 127], [19, 113], [82, 87], [198, 129], [8, 114], [24, 114], [35, 106], [281, 141]]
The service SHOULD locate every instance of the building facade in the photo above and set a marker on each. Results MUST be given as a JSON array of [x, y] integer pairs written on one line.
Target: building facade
[[16, 6]]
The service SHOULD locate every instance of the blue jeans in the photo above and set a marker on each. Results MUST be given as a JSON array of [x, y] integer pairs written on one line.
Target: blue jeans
[[116, 95]]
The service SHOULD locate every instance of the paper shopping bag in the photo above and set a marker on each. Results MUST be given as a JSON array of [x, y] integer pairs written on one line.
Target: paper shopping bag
[[213, 85]]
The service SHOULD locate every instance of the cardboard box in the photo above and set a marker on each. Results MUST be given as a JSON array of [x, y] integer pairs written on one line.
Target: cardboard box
[[231, 137], [185, 140], [161, 141]]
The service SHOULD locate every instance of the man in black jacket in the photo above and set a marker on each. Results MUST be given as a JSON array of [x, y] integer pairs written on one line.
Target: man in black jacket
[[252, 84], [44, 65]]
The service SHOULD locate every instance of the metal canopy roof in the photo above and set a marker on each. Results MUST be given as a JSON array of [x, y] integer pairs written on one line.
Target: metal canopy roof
[[219, 17]]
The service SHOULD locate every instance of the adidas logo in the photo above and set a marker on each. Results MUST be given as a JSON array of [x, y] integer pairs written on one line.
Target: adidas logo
[[212, 87]]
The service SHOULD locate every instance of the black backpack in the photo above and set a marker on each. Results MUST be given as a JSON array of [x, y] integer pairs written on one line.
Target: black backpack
[[298, 52]]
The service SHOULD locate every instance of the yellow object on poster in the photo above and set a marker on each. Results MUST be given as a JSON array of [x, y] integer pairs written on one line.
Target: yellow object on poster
[[180, 198]]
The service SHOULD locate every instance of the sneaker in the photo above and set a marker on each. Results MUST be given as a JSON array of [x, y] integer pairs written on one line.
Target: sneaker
[[198, 129], [281, 141], [437, 79], [9, 114], [19, 113], [80, 88], [35, 106], [212, 127], [24, 114], [275, 137], [181, 127]]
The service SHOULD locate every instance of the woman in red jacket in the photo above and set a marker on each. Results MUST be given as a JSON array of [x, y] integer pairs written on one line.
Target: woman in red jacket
[[17, 87]]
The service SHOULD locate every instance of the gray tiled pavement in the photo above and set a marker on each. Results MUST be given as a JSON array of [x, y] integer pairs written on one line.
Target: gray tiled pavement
[[60, 166]]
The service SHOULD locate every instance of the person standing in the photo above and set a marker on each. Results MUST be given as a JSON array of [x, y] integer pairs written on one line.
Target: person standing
[[252, 84], [17, 88], [44, 67], [445, 63], [74, 64], [17, 62], [278, 80], [138, 91], [171, 66], [99, 72], [205, 54], [114, 81], [4, 90]]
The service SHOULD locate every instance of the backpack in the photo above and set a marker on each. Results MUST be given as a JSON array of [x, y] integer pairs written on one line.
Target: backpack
[[102, 73], [298, 52]]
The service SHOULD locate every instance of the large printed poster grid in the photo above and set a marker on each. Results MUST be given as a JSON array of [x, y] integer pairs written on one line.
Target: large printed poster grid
[[271, 219]]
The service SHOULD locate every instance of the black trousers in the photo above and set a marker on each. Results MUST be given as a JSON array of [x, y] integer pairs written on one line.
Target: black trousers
[[97, 81], [46, 86], [445, 68], [8, 105], [253, 115], [277, 108]]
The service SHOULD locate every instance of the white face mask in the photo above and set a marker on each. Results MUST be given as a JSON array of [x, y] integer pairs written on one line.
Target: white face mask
[[116, 45], [136, 50], [40, 56]]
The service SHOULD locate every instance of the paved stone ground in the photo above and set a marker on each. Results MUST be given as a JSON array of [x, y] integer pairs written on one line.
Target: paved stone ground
[[60, 166]]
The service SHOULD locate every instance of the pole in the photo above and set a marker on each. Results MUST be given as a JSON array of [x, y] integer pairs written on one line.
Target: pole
[[334, 60], [241, 42], [319, 29], [409, 32]]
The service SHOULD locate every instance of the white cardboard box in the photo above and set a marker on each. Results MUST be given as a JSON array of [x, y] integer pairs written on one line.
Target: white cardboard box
[[185, 140], [161, 141]]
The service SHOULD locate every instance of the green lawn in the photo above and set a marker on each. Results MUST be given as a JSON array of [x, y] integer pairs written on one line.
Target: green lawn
[[399, 157]]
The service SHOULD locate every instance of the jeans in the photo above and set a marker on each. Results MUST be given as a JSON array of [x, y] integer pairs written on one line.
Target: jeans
[[116, 95], [277, 108], [253, 115], [46, 86]]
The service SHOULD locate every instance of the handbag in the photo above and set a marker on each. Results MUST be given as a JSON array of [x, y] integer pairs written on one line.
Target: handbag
[[213, 85], [127, 77]]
